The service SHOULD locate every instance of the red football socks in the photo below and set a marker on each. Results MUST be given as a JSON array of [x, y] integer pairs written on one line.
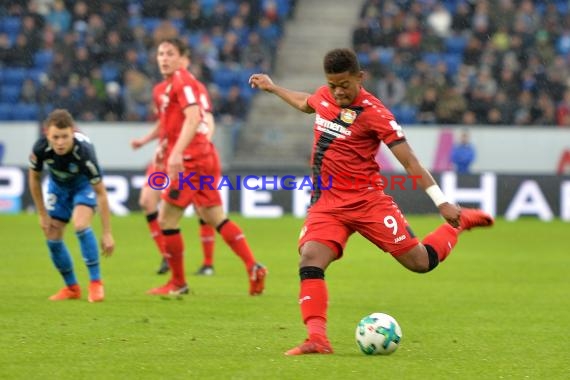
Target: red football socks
[[175, 255], [156, 233], [313, 298], [208, 238], [235, 238], [442, 240]]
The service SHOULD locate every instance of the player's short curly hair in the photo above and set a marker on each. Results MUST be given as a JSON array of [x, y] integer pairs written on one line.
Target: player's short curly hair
[[341, 60], [59, 118]]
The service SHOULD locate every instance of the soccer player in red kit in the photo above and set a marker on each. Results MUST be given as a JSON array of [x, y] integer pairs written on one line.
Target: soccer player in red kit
[[350, 124], [189, 156]]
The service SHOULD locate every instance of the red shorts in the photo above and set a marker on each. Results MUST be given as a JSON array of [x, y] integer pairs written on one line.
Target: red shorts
[[374, 215], [199, 187]]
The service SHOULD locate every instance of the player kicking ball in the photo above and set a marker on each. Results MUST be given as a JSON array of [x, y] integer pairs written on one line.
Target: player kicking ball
[[350, 125], [75, 189]]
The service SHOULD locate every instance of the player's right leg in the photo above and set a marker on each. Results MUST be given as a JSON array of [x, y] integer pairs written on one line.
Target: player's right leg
[[59, 209], [169, 219], [148, 200], [322, 241]]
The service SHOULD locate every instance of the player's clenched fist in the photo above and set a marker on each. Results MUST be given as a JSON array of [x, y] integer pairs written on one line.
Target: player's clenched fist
[[262, 82]]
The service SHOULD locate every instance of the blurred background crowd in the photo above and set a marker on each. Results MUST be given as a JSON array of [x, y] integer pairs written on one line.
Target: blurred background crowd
[[493, 62], [97, 58]]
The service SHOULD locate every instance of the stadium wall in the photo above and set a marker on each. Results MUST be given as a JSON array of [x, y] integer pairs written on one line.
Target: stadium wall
[[507, 150]]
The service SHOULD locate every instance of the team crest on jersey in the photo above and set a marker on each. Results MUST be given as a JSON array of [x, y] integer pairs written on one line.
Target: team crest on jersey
[[348, 116], [73, 168], [49, 161]]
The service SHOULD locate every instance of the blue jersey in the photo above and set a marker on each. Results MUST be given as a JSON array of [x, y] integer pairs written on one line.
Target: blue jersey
[[79, 165]]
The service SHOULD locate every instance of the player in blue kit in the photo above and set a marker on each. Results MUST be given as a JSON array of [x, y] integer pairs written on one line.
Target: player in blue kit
[[75, 189]]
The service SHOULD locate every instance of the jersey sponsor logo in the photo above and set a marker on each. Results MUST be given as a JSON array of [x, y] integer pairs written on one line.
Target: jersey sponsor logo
[[324, 103], [400, 238], [331, 128], [348, 116], [165, 98]]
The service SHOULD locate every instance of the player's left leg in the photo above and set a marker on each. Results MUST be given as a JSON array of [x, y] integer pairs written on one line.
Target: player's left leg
[[235, 238], [82, 217], [208, 240]]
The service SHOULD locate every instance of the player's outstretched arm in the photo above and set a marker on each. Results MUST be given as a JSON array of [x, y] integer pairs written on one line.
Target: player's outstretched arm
[[107, 241], [296, 99], [404, 153], [151, 135]]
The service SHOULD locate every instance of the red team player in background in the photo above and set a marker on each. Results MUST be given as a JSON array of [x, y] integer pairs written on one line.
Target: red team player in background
[[149, 198], [188, 151], [350, 125]]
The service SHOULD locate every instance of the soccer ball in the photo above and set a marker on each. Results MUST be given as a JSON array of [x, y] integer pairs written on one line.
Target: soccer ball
[[378, 334]]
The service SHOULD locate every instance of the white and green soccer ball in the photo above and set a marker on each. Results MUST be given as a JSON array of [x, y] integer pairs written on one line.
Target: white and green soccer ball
[[378, 334]]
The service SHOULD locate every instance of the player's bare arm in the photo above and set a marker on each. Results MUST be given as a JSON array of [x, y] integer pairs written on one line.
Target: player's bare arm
[[191, 122], [209, 117], [34, 181], [151, 135], [107, 241], [406, 156], [296, 99]]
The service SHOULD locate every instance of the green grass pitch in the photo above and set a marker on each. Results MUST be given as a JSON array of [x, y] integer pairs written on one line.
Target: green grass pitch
[[498, 308]]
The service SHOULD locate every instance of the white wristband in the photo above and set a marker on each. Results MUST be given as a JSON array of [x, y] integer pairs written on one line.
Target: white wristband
[[436, 195]]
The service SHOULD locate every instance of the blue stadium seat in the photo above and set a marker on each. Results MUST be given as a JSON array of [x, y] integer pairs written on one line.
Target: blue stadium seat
[[405, 114], [5, 111], [10, 25], [151, 23], [431, 59], [453, 61], [23, 111], [225, 77], [43, 59], [455, 44], [10, 93], [110, 72], [13, 76]]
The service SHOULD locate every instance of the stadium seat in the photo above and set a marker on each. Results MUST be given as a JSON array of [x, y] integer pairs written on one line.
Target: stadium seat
[[405, 114], [10, 25], [431, 59], [43, 59], [150, 23], [23, 111], [455, 44], [5, 111], [13, 76], [225, 77], [110, 72], [453, 61], [10, 93]]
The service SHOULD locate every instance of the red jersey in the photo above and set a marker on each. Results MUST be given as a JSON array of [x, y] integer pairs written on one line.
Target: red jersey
[[171, 97], [346, 141]]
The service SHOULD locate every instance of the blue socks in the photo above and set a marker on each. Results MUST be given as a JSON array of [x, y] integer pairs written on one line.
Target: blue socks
[[90, 252], [62, 260]]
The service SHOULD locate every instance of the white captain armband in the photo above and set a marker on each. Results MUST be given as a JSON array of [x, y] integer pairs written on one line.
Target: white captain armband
[[436, 195]]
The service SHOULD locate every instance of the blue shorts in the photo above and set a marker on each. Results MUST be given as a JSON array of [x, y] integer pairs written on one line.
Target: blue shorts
[[62, 198]]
